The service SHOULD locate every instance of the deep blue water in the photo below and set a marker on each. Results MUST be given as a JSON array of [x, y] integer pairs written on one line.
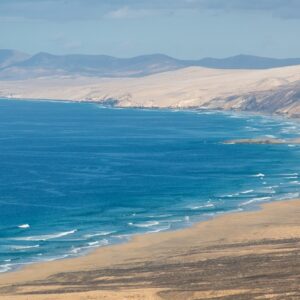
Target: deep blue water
[[78, 176]]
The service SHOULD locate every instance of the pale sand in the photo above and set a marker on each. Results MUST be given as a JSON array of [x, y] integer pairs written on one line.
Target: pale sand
[[246, 255], [189, 87]]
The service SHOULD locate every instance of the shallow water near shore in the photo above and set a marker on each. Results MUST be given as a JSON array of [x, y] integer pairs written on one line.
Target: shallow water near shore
[[75, 176]]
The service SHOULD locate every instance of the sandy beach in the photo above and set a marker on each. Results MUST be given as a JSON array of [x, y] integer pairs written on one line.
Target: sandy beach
[[244, 255]]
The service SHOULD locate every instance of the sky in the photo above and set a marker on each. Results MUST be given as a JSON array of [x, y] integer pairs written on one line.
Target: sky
[[189, 29]]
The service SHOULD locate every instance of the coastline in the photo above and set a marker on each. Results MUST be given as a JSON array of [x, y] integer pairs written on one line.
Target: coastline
[[183, 264], [248, 113], [190, 110], [87, 262]]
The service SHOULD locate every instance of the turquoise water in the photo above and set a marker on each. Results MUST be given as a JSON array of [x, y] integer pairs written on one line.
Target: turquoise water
[[78, 176]]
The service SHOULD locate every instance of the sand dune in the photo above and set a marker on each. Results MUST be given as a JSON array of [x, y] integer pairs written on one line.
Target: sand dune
[[269, 91]]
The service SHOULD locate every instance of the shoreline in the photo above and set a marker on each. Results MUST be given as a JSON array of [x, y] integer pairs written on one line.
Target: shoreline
[[275, 221], [158, 108], [131, 237]]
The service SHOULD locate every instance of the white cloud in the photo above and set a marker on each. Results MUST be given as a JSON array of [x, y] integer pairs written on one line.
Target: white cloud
[[128, 13]]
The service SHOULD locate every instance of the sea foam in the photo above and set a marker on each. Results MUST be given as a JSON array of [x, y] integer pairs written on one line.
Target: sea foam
[[24, 226], [145, 224], [46, 236], [100, 233], [24, 247], [254, 200]]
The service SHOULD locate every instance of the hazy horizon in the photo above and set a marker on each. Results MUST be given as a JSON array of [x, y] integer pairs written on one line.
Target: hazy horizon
[[184, 29], [146, 54]]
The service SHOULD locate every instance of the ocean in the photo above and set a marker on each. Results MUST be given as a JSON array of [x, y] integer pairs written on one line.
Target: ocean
[[76, 176]]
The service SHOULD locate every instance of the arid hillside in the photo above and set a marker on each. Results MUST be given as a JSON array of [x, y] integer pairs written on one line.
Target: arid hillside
[[274, 91]]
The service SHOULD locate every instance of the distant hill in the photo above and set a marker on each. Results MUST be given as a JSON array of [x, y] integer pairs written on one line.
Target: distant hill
[[17, 65], [45, 64], [247, 62], [10, 57]]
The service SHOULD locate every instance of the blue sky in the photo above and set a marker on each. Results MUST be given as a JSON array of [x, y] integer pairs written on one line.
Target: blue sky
[[180, 28]]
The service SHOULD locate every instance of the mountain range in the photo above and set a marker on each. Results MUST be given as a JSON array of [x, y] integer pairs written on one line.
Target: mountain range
[[16, 65]]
